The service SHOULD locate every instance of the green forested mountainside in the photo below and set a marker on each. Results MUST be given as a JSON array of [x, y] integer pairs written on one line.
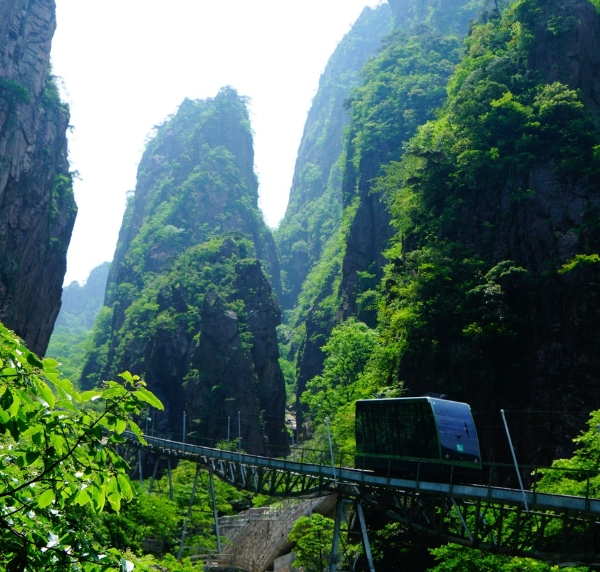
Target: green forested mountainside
[[402, 88], [400, 93], [189, 305], [453, 16], [314, 208], [80, 306], [490, 284], [489, 289]]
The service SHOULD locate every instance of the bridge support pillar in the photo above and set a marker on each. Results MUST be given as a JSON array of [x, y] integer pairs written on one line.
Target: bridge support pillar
[[339, 516], [140, 466], [170, 478], [214, 503], [365, 537], [154, 474], [189, 514]]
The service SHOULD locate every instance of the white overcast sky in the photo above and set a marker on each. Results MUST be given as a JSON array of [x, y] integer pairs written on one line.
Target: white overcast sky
[[128, 64]]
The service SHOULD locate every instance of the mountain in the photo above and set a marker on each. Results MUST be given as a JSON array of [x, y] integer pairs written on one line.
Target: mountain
[[314, 209], [401, 88], [80, 306], [189, 303], [491, 292], [37, 208]]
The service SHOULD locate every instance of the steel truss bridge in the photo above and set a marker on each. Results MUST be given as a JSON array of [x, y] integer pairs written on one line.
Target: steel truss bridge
[[544, 526]]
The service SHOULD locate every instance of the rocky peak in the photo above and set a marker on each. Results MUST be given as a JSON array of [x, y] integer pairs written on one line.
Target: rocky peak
[[189, 304]]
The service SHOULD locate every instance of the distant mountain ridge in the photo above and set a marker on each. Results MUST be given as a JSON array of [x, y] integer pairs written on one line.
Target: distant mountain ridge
[[72, 329]]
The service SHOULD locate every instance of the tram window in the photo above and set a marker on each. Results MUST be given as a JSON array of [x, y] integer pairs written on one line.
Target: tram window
[[368, 430]]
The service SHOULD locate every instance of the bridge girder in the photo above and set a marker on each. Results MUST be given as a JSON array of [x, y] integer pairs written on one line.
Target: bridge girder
[[556, 528]]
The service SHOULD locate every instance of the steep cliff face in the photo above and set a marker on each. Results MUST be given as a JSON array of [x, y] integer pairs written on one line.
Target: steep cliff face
[[188, 304], [313, 214], [37, 208], [402, 87], [495, 270], [383, 121]]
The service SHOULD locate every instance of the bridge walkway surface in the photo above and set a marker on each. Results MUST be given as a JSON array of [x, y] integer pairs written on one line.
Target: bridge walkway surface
[[551, 527]]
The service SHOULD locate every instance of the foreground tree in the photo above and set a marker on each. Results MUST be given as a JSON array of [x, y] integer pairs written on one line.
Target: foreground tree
[[57, 461], [313, 536]]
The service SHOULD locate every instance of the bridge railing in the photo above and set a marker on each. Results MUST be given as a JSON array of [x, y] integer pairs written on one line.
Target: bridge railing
[[263, 513], [584, 485], [491, 474]]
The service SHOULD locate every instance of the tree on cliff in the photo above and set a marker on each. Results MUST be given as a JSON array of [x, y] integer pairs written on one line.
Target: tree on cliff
[[57, 461]]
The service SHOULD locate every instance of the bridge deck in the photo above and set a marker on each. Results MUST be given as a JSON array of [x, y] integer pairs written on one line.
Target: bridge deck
[[529, 523]]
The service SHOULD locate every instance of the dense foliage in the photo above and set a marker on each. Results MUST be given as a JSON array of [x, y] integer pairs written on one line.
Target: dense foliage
[[150, 526], [58, 461], [312, 537], [460, 315], [314, 209]]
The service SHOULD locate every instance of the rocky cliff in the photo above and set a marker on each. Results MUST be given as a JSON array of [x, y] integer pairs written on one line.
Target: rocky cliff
[[402, 86], [37, 208], [313, 214], [189, 303], [495, 265]]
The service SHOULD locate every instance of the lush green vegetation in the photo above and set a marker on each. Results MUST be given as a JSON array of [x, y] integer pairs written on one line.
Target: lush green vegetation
[[172, 302], [58, 461], [313, 214], [150, 526], [313, 537], [451, 309], [70, 339], [454, 558], [13, 91]]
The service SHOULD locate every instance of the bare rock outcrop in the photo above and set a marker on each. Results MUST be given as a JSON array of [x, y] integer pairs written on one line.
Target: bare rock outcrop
[[37, 208]]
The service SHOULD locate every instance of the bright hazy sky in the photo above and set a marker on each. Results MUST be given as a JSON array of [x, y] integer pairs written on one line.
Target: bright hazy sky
[[128, 64]]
